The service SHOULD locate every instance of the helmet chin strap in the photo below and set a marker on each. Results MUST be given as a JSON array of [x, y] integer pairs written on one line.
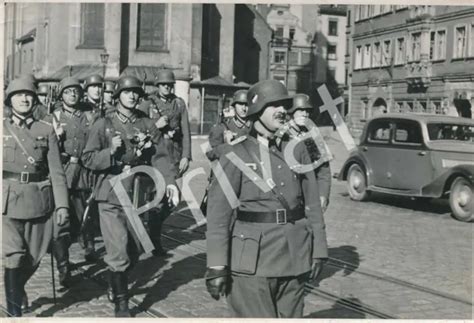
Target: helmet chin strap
[[262, 129]]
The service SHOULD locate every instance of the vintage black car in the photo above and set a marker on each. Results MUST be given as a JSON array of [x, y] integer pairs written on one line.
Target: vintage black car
[[419, 155]]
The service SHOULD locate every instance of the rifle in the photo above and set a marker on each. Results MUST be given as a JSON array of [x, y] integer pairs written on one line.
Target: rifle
[[86, 217], [101, 101]]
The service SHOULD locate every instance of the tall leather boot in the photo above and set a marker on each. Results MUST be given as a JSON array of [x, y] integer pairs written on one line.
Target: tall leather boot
[[90, 255], [24, 277], [156, 225], [110, 286], [13, 291], [120, 288], [61, 254]]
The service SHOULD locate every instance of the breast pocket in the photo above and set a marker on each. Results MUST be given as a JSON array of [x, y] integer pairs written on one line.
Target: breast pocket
[[245, 251], [9, 147]]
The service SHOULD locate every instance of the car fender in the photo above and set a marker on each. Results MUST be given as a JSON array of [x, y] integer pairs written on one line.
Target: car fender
[[442, 184], [354, 158]]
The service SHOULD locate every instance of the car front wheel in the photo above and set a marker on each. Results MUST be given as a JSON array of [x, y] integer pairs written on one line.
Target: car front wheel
[[461, 199], [357, 183]]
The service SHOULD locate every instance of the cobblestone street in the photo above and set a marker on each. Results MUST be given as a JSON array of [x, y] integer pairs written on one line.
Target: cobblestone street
[[406, 258]]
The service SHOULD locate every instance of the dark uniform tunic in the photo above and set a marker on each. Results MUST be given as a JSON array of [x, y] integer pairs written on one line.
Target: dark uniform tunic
[[216, 135], [323, 172], [31, 190], [267, 260], [177, 133], [75, 127], [97, 157]]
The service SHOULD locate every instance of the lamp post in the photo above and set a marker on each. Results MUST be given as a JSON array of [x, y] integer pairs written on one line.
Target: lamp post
[[104, 58]]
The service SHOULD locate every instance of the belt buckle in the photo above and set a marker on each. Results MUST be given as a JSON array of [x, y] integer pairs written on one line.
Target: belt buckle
[[24, 177], [73, 160], [281, 216]]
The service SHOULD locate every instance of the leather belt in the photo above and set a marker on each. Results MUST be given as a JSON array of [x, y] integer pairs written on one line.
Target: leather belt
[[24, 177], [279, 216]]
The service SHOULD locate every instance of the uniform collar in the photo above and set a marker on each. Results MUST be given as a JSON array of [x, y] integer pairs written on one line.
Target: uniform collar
[[241, 123], [20, 120], [71, 112], [124, 119], [165, 99]]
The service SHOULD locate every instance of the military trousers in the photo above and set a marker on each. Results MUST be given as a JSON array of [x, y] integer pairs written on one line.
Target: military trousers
[[121, 249], [264, 297], [25, 242]]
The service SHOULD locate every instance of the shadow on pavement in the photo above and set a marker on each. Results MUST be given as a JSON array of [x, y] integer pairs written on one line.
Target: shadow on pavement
[[338, 311], [180, 274], [345, 253]]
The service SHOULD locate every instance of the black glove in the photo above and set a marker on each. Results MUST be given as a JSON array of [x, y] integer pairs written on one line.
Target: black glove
[[316, 268], [217, 282]]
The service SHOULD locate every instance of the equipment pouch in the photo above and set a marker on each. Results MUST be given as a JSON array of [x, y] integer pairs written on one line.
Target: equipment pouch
[[245, 251], [47, 198]]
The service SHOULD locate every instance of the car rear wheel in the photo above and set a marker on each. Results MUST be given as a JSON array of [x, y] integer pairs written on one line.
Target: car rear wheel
[[357, 183], [461, 199]]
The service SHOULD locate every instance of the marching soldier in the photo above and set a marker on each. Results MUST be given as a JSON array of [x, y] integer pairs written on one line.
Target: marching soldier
[[299, 113], [33, 187], [230, 129], [171, 117], [117, 143], [108, 96], [93, 93], [278, 240], [42, 94], [72, 128]]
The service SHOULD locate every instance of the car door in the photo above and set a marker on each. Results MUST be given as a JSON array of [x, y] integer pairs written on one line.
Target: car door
[[376, 149], [411, 166]]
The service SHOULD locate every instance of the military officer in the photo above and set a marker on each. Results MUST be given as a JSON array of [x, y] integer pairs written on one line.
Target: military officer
[[171, 117], [278, 240], [93, 93], [299, 113], [72, 129], [111, 150], [230, 129], [33, 187]]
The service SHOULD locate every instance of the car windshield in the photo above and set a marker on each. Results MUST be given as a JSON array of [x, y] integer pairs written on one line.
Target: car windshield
[[451, 131]]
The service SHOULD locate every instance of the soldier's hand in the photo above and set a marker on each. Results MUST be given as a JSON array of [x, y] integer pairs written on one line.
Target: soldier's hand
[[62, 216], [316, 268], [324, 203], [162, 122], [228, 136], [116, 144], [183, 165], [172, 194], [217, 282]]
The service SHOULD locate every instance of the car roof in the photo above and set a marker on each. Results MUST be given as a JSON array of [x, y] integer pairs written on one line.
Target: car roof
[[425, 118]]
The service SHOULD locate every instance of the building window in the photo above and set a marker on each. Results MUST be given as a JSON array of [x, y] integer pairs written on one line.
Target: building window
[[376, 10], [398, 107], [357, 13], [432, 45], [92, 25], [376, 55], [332, 52], [279, 32], [332, 28], [366, 58], [415, 47], [460, 42], [438, 45], [358, 58], [293, 58], [305, 58], [152, 26], [387, 53], [386, 8], [279, 57], [292, 33], [471, 41], [332, 72], [400, 51]]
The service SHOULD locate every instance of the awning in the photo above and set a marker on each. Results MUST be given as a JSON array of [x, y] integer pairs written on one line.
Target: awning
[[151, 71], [218, 81]]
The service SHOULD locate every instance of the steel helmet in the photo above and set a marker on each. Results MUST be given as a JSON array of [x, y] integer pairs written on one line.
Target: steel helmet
[[19, 85], [68, 82], [164, 76], [43, 89], [128, 82], [95, 79], [300, 101], [265, 92], [240, 96], [109, 86]]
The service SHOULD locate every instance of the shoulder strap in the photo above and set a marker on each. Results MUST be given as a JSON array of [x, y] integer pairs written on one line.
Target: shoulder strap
[[30, 158], [271, 185]]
